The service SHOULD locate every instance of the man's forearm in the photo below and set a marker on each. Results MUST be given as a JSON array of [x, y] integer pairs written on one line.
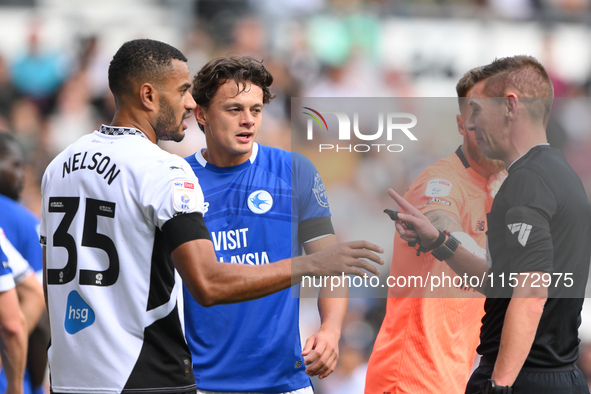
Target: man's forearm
[[32, 302], [519, 330], [13, 334], [211, 282], [332, 312]]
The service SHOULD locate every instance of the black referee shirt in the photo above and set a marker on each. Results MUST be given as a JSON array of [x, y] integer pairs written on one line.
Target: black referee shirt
[[540, 221]]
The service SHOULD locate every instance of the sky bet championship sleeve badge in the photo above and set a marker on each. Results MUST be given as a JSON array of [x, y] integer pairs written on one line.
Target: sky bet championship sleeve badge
[[320, 191], [184, 195], [438, 188]]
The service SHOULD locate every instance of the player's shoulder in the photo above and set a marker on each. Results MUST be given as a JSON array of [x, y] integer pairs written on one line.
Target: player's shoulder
[[274, 154], [285, 164], [449, 169], [443, 182], [78, 145], [295, 160], [192, 159], [166, 166], [274, 160], [535, 169], [19, 213], [542, 162]]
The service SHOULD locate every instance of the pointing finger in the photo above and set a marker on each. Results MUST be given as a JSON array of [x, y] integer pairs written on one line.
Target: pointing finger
[[405, 205]]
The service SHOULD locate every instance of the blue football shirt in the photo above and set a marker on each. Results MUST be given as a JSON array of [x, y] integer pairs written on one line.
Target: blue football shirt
[[22, 230], [255, 217]]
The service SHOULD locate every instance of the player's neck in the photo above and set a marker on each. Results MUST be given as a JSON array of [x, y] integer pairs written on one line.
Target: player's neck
[[522, 142], [126, 119], [483, 167]]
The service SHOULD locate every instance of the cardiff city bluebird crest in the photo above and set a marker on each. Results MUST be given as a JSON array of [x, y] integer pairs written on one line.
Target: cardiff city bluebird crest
[[260, 201]]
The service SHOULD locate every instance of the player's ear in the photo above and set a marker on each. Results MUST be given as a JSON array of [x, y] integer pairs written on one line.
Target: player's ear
[[200, 116], [149, 96], [461, 125], [511, 102]]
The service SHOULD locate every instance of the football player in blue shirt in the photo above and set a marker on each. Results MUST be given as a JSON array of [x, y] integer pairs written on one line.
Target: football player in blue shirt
[[22, 230], [13, 327], [262, 204]]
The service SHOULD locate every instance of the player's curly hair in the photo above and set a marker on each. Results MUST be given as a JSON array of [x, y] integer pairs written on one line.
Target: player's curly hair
[[140, 61], [243, 70]]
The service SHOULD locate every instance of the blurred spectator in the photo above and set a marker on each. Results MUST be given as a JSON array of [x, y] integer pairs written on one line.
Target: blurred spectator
[[8, 92], [94, 66], [38, 73], [249, 38], [73, 116], [198, 49], [26, 121]]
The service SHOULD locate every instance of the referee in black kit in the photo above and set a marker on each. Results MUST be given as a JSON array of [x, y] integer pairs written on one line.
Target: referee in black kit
[[539, 239]]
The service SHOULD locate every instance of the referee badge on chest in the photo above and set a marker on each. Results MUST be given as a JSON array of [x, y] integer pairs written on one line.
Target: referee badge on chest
[[260, 201], [184, 195]]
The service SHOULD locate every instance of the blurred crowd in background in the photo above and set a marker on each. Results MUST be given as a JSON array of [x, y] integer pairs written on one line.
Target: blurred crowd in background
[[54, 56]]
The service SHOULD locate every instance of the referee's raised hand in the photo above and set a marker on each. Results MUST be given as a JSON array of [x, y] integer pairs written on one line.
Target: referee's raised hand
[[412, 225]]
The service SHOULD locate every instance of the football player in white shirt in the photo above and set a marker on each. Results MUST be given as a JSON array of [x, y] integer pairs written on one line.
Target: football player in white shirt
[[119, 214]]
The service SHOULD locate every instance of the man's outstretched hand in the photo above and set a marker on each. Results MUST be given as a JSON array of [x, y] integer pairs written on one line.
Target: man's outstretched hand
[[349, 258]]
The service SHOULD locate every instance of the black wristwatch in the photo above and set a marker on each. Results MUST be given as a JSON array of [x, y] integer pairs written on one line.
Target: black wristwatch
[[490, 387], [446, 250]]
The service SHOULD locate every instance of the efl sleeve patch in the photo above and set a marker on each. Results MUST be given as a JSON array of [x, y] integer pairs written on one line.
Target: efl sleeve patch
[[438, 188], [184, 195]]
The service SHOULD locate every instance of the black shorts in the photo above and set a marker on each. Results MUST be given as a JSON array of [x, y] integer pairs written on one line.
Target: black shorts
[[568, 380]]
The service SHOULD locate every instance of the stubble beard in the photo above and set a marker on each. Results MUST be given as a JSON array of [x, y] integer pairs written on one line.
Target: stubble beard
[[477, 155], [166, 127]]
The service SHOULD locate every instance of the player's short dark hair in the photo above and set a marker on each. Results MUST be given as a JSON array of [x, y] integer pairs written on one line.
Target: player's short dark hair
[[523, 74], [463, 86], [140, 61], [241, 69]]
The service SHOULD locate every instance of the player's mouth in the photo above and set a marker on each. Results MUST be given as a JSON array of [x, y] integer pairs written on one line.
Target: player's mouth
[[245, 136], [187, 115], [477, 136]]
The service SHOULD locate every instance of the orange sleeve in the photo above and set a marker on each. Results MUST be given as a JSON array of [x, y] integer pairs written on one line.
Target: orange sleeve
[[435, 189]]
